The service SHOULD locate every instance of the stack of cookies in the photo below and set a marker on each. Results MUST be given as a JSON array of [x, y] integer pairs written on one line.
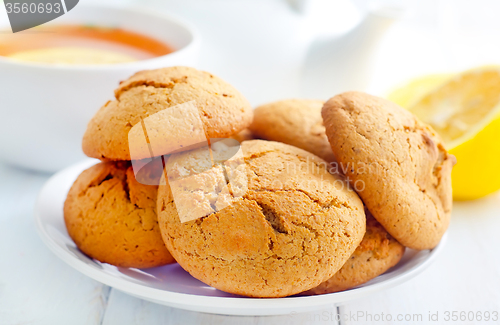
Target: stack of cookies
[[326, 195], [109, 214]]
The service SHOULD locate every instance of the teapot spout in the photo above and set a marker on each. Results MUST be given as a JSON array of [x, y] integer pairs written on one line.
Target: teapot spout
[[344, 63]]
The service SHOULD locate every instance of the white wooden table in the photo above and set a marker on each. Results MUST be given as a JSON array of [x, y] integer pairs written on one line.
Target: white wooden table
[[37, 288]]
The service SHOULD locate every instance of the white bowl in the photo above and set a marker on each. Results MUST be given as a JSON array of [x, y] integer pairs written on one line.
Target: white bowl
[[46, 108], [170, 285]]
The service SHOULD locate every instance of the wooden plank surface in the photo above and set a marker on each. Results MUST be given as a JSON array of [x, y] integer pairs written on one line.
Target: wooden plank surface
[[124, 309], [465, 278], [35, 286]]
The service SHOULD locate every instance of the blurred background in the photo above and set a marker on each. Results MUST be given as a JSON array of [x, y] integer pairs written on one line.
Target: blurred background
[[259, 45], [277, 49]]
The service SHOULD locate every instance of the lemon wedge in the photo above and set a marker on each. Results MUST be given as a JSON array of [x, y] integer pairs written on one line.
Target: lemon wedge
[[465, 110], [407, 95]]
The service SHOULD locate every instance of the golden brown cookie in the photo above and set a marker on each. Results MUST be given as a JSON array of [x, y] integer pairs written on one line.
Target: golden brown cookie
[[223, 111], [297, 122], [111, 217], [293, 228], [397, 164], [376, 254]]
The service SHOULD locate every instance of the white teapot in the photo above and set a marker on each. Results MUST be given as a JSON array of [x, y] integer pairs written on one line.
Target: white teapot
[[275, 49]]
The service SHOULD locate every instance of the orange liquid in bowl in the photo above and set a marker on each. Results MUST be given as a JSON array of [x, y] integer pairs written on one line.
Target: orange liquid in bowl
[[77, 44]]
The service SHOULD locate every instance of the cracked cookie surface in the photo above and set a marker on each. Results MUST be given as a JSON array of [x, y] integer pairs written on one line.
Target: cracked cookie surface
[[111, 217], [400, 165], [295, 226], [376, 254], [223, 110], [297, 122]]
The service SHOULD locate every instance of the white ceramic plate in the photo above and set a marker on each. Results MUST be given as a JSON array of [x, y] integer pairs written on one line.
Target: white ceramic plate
[[170, 285]]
